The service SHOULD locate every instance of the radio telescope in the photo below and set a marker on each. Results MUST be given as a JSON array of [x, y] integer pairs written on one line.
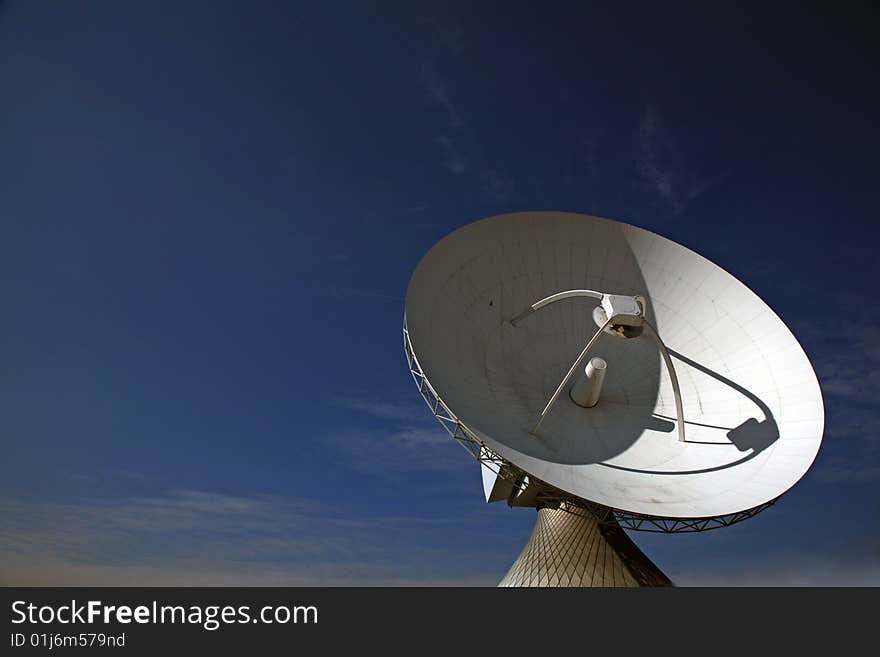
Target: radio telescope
[[612, 379]]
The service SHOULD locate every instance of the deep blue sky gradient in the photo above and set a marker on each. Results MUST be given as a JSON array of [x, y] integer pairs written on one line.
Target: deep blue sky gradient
[[210, 212]]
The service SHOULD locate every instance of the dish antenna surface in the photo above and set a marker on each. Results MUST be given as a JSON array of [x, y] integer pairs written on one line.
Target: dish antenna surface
[[610, 378]]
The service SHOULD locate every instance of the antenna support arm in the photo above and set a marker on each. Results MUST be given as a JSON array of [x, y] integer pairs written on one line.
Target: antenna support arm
[[676, 391], [577, 363], [559, 296]]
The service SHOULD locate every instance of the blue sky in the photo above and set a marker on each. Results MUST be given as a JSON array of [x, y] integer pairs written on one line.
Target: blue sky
[[210, 212]]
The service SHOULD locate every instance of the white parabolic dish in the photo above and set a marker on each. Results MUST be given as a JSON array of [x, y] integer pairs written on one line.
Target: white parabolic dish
[[752, 405]]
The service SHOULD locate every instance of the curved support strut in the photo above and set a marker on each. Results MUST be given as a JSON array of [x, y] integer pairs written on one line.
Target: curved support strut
[[559, 296], [676, 391]]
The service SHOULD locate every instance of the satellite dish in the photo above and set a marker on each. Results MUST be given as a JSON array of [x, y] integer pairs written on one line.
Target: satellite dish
[[598, 368]]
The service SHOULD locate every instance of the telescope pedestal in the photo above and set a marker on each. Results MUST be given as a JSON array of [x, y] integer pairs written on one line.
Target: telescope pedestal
[[572, 549]]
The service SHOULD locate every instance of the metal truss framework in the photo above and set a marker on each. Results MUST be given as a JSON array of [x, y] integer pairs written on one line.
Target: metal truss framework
[[553, 497]]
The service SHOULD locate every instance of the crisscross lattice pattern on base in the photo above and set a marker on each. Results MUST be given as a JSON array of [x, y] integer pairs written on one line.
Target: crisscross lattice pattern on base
[[572, 549]]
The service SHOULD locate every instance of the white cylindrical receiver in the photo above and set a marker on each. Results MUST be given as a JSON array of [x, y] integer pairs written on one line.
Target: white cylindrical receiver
[[586, 390]]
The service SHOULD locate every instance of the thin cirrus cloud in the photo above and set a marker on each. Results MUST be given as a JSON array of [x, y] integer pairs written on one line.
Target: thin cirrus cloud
[[454, 160], [812, 570], [850, 368], [660, 167], [383, 409], [188, 537], [493, 184], [399, 448], [409, 438], [847, 364], [437, 93]]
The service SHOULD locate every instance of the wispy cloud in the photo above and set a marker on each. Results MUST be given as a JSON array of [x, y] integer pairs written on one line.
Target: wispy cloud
[[453, 158], [850, 368], [396, 433], [496, 186], [847, 364], [819, 570], [446, 32], [188, 537], [856, 472], [660, 166], [460, 155], [410, 440], [59, 571], [401, 448], [384, 409], [437, 93], [354, 292]]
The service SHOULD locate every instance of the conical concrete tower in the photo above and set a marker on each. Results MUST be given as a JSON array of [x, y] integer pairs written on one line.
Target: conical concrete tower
[[569, 548]]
